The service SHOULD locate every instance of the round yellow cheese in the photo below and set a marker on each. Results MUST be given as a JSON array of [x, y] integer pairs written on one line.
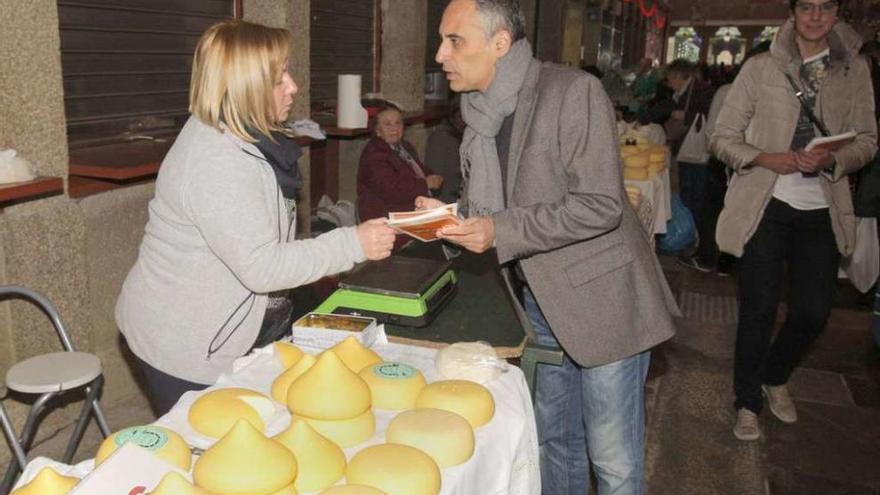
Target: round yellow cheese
[[395, 469], [355, 355], [287, 353], [320, 462], [329, 390], [214, 413], [175, 484], [657, 155], [393, 386], [352, 490], [281, 385], [630, 173], [638, 160], [244, 462], [48, 482], [445, 436], [468, 399], [346, 432], [161, 442]]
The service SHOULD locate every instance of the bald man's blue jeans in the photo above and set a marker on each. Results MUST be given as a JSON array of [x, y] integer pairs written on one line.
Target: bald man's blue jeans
[[589, 417]]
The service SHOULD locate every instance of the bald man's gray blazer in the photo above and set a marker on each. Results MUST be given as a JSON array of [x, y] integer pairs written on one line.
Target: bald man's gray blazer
[[584, 253]]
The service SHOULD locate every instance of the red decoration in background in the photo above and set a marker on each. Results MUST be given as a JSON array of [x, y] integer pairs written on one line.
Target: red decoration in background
[[649, 12]]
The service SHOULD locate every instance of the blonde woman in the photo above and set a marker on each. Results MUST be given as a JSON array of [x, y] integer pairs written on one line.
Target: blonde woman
[[220, 234]]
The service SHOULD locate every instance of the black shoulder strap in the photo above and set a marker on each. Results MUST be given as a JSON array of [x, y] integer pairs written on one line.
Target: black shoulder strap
[[806, 106]]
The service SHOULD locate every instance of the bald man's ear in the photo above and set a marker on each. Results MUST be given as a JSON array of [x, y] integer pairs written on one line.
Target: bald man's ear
[[501, 42]]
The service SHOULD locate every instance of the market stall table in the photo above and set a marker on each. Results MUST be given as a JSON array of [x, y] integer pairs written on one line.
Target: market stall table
[[505, 460]]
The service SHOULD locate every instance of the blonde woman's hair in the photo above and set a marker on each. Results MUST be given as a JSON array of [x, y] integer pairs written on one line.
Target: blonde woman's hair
[[235, 68]]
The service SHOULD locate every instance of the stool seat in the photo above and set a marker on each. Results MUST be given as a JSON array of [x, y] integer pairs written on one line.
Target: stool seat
[[54, 372]]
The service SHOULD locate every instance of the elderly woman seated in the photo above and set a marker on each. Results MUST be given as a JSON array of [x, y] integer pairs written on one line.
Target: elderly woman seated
[[390, 174]]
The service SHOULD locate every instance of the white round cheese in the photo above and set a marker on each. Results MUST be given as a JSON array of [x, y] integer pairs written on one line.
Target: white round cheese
[[445, 436], [468, 399], [395, 469]]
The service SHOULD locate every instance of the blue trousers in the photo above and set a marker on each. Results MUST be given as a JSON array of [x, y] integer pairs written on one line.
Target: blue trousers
[[589, 416]]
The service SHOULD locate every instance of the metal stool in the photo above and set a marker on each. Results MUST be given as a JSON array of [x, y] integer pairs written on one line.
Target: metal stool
[[50, 375]]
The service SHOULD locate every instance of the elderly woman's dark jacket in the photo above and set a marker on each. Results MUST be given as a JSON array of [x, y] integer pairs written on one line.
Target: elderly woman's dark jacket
[[386, 182]]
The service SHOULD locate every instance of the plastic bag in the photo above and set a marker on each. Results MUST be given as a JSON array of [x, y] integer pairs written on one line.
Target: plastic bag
[[475, 361], [681, 231], [695, 147], [863, 266]]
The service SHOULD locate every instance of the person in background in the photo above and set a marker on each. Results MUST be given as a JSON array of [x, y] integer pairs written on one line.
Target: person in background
[[644, 87], [789, 211], [390, 175], [544, 187], [707, 254], [220, 234], [442, 153]]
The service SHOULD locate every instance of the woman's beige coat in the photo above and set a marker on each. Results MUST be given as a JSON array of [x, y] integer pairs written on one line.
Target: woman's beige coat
[[760, 114]]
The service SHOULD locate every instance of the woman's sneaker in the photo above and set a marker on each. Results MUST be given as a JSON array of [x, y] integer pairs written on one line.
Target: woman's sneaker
[[746, 427], [780, 403]]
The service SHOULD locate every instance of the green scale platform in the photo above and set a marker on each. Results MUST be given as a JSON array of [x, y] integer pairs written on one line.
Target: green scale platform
[[397, 290]]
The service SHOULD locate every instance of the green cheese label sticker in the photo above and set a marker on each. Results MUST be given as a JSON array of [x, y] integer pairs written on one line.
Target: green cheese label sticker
[[394, 371], [147, 437]]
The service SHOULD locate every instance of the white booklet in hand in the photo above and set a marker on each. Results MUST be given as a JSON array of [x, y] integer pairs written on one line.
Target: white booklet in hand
[[423, 224], [831, 143]]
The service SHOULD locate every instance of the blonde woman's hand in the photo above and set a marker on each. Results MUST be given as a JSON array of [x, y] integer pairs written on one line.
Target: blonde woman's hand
[[376, 239]]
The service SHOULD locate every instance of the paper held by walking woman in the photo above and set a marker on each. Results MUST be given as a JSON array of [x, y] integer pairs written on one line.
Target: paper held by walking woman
[[831, 143], [423, 224]]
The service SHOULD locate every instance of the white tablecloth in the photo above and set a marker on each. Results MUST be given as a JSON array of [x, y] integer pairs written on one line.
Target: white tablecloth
[[657, 191], [505, 460]]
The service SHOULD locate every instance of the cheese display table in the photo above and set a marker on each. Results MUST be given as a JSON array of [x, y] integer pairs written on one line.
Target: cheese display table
[[658, 192], [505, 459]]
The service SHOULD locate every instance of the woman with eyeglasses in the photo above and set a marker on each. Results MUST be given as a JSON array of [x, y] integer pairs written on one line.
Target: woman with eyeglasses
[[788, 212], [220, 240]]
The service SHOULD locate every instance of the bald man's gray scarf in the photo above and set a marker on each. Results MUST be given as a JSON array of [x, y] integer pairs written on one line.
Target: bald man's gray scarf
[[484, 113]]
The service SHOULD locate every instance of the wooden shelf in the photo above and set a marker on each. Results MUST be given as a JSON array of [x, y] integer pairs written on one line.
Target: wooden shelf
[[26, 191], [121, 161], [430, 114]]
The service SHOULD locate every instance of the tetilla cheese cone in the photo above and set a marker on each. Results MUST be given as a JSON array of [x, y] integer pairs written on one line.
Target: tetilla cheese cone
[[468, 399], [328, 391], [395, 469], [244, 462], [346, 432], [48, 482], [214, 413], [352, 490], [282, 384], [320, 462], [355, 355], [175, 484], [161, 442], [287, 353]]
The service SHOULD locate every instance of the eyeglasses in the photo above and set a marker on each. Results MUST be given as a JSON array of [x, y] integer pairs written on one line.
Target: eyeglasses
[[810, 8]]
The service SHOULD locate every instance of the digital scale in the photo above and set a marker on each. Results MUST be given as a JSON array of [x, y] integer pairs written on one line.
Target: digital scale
[[399, 290]]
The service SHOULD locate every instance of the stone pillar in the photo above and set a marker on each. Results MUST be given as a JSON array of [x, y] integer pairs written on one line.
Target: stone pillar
[[403, 52]]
